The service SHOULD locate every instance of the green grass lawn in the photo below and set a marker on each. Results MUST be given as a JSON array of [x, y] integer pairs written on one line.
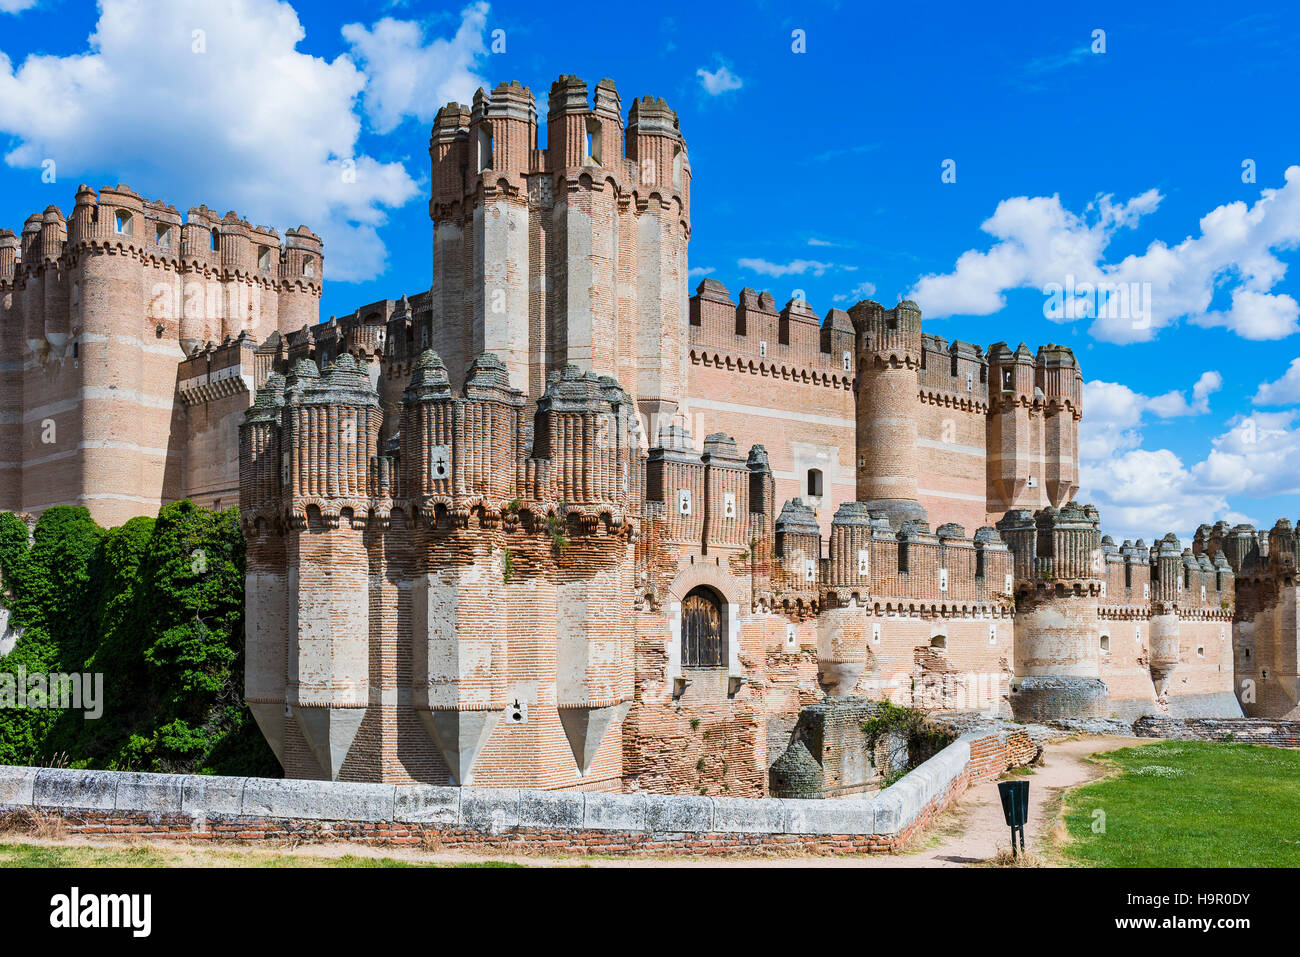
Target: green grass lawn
[[51, 855], [1188, 804]]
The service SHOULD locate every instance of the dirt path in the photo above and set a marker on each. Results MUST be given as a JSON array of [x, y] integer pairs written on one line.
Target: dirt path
[[975, 830], [970, 832]]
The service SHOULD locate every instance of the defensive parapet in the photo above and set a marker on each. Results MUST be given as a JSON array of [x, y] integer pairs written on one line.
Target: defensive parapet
[[458, 511], [753, 336], [868, 562]]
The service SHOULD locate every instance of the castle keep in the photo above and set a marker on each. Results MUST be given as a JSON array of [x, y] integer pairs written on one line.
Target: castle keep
[[557, 522]]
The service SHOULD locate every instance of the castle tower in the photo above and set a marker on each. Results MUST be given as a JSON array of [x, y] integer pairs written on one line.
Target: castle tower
[[569, 254], [889, 356]]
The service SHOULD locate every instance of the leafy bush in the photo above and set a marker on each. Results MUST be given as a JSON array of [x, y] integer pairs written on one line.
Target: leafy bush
[[156, 606]]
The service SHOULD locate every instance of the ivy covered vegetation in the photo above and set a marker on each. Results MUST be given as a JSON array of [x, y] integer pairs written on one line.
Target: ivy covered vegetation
[[156, 607]]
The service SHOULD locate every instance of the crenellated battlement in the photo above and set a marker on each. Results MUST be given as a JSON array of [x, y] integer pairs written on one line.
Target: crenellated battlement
[[491, 147], [118, 219], [755, 336], [1049, 379]]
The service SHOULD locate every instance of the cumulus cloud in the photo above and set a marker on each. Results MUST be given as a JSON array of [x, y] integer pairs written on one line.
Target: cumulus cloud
[[1283, 391], [701, 271], [1145, 492], [863, 290], [719, 81], [16, 6], [1039, 244], [211, 101], [409, 75], [796, 267]]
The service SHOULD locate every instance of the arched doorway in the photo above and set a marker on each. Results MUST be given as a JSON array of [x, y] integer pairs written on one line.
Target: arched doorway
[[704, 641]]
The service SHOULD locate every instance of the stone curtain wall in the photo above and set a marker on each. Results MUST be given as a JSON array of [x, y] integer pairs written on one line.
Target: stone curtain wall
[[160, 805]]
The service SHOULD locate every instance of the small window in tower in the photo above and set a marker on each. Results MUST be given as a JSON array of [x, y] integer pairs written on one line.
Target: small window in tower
[[762, 348], [815, 482], [875, 634], [593, 141], [1200, 651], [484, 148], [309, 268], [263, 257], [679, 160], [970, 382], [939, 641], [163, 236], [848, 361], [123, 223], [864, 561], [943, 579], [1105, 644], [1006, 379], [214, 239]]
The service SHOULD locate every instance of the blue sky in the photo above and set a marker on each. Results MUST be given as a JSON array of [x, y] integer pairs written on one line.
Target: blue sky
[[1079, 156]]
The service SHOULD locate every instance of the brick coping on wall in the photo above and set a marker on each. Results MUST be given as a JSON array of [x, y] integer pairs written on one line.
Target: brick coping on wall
[[166, 805]]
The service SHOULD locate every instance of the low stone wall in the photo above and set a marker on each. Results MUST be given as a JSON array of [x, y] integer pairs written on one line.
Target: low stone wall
[[250, 809], [1278, 734]]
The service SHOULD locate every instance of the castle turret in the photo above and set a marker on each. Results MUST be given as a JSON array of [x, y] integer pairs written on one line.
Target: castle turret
[[1168, 579], [889, 356], [263, 473], [331, 433], [1059, 568]]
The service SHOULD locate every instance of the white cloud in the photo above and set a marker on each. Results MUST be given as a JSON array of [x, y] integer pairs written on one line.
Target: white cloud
[[719, 81], [863, 290], [408, 75], [814, 241], [1143, 493], [1284, 391], [251, 123], [16, 6], [701, 271], [796, 267], [1040, 243], [1255, 457]]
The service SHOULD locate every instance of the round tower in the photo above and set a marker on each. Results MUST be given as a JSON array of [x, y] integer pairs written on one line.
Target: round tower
[[1058, 570], [889, 362]]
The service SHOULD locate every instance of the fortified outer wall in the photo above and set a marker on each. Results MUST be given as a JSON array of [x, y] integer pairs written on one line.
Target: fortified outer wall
[[96, 314], [804, 388], [1266, 641]]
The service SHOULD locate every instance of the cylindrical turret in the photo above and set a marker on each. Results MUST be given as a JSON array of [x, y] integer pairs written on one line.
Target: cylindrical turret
[[889, 356]]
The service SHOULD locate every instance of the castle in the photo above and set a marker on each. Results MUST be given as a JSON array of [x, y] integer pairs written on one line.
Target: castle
[[555, 522]]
